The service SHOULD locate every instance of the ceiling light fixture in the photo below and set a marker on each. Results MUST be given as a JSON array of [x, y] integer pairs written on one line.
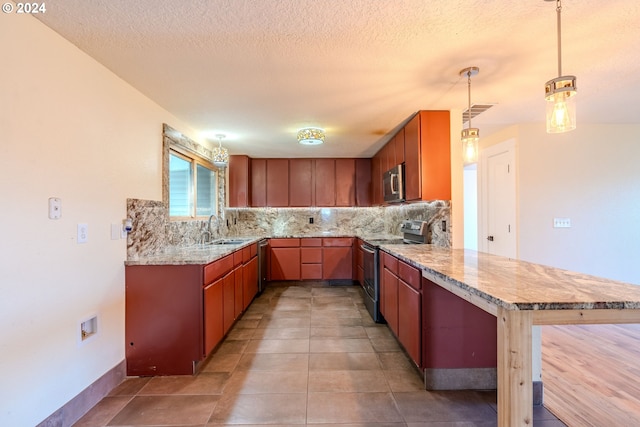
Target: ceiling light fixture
[[470, 136], [311, 136], [220, 154], [560, 93]]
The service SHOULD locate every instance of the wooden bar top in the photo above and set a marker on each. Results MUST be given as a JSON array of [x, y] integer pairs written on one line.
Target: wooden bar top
[[514, 284]]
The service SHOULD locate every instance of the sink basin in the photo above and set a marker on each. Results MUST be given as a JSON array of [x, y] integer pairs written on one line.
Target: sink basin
[[229, 241]]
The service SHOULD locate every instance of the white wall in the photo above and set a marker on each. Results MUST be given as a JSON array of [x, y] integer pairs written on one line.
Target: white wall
[[69, 128], [592, 176]]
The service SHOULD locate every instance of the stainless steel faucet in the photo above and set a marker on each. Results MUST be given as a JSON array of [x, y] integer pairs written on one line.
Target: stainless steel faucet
[[208, 232]]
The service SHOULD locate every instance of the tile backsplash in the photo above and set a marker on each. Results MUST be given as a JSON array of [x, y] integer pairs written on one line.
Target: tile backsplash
[[152, 230]]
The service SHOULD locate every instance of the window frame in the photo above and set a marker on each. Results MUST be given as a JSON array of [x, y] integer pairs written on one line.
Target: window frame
[[194, 159]]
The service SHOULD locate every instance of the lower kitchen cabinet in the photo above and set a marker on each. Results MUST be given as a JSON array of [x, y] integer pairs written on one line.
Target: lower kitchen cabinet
[[176, 315], [401, 303], [337, 258], [285, 259]]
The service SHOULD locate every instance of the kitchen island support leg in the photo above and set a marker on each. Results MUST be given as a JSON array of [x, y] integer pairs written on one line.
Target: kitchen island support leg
[[515, 395]]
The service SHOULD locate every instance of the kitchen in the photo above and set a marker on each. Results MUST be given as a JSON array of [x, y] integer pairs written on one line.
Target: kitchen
[[97, 140]]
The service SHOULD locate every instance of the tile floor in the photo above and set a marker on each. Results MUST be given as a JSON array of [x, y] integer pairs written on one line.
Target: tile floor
[[303, 353]]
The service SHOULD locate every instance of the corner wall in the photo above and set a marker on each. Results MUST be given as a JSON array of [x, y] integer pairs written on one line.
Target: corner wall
[[70, 129]]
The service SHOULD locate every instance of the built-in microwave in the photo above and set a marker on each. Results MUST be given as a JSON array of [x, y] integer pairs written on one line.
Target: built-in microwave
[[393, 184]]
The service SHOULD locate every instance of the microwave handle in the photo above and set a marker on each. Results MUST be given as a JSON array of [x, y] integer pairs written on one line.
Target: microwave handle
[[394, 184]]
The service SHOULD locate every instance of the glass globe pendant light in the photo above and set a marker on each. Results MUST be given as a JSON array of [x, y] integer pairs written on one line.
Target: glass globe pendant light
[[470, 136], [219, 154]]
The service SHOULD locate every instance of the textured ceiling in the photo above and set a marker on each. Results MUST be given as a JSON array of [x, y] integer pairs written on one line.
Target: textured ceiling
[[259, 70]]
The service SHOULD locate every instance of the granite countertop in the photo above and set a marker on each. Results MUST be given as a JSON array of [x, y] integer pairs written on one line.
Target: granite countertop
[[517, 285], [204, 254]]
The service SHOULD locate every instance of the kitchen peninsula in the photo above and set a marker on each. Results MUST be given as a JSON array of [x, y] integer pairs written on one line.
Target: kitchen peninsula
[[521, 294]]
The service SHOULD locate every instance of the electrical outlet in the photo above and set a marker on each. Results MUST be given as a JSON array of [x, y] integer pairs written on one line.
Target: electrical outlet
[[83, 233], [310, 220], [561, 222]]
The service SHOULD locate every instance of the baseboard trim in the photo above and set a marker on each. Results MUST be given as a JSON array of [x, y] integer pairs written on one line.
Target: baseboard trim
[[74, 409]]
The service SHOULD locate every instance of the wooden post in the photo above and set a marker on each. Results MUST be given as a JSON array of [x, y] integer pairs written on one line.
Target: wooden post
[[515, 394]]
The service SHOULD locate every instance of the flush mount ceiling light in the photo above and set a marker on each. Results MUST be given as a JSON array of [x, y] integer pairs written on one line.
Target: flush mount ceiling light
[[311, 136], [470, 136], [560, 93], [220, 154]]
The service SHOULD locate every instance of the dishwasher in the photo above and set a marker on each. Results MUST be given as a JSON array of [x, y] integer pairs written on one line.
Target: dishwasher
[[262, 264]]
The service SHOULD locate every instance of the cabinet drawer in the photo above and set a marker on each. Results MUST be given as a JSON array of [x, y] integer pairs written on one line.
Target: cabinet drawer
[[410, 275], [284, 243], [237, 258], [217, 269], [337, 241], [253, 250], [246, 254], [311, 271], [311, 255], [311, 241], [389, 262]]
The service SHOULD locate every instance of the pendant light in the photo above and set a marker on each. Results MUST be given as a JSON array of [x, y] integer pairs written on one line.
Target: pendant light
[[220, 154], [470, 135], [560, 92]]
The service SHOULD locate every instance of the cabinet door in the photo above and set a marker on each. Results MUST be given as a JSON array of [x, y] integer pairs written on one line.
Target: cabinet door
[[300, 182], [376, 179], [412, 184], [409, 320], [238, 274], [363, 182], [285, 264], [337, 263], [398, 146], [345, 183], [390, 300], [213, 321], [239, 181], [258, 182], [325, 185], [435, 155], [250, 281], [278, 182], [228, 295]]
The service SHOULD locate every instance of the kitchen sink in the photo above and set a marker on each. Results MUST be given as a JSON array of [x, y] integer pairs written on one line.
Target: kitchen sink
[[228, 241]]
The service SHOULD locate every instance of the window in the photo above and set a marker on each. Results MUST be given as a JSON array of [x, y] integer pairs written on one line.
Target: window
[[192, 185]]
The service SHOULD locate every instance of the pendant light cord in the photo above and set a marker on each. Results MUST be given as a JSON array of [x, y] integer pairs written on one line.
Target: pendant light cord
[[558, 11], [469, 97]]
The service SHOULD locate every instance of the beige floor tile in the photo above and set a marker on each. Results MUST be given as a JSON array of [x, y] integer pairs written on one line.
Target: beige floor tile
[[281, 333], [385, 344], [338, 332], [256, 382], [338, 345], [393, 361], [278, 346], [203, 383], [351, 408], [325, 320], [103, 412], [166, 410], [343, 361], [221, 362], [284, 322], [261, 409], [274, 362], [404, 380], [444, 406], [348, 381], [129, 387]]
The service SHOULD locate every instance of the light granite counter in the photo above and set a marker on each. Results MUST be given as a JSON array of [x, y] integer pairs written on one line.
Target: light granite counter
[[206, 253], [517, 285], [521, 294]]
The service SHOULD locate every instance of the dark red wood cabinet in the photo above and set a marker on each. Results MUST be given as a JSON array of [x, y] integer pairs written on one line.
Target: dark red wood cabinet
[[337, 258], [277, 182], [345, 182], [258, 184], [239, 176], [175, 315], [363, 182], [284, 259], [301, 182], [325, 182]]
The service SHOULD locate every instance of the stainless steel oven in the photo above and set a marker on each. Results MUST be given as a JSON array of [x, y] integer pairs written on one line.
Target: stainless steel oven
[[372, 281]]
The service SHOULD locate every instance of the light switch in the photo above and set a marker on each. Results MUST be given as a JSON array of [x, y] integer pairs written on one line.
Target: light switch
[[561, 222], [55, 208]]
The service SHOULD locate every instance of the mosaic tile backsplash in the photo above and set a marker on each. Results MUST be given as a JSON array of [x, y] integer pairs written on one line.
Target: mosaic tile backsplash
[[153, 232]]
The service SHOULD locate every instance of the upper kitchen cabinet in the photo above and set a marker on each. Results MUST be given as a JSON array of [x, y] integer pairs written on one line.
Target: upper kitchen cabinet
[[258, 174], [398, 147], [363, 182], [345, 182], [277, 182], [239, 186], [325, 177], [300, 182], [427, 149]]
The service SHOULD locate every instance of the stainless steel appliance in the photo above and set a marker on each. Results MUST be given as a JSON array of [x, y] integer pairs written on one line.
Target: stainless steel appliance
[[415, 231], [262, 264], [393, 185], [372, 280]]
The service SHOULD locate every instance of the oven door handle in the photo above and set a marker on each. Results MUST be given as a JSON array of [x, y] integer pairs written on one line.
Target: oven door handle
[[366, 249]]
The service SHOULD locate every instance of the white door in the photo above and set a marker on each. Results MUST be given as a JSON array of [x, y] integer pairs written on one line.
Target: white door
[[497, 173]]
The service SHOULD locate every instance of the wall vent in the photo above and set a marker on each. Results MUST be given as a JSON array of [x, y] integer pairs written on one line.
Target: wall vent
[[476, 109]]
